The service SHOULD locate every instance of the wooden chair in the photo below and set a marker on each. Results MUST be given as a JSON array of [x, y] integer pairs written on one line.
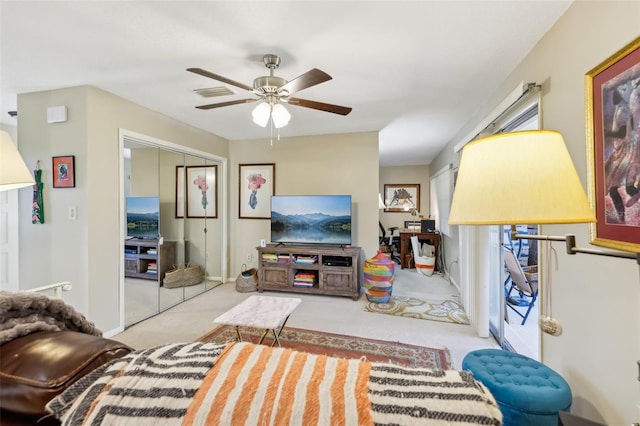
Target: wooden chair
[[392, 243]]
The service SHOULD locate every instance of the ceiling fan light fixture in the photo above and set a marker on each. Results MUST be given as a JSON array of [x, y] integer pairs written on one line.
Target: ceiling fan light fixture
[[272, 90], [280, 116], [261, 114]]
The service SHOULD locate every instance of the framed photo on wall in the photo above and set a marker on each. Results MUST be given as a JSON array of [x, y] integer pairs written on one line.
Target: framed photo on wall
[[180, 192], [401, 197], [257, 183], [64, 171], [201, 191], [612, 96]]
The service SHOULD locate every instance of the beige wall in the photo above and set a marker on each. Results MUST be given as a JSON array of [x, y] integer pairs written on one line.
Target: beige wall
[[86, 251], [404, 175], [327, 164], [595, 298]]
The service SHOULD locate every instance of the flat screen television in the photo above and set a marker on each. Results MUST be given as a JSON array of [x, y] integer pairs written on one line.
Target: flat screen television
[[311, 219], [143, 214]]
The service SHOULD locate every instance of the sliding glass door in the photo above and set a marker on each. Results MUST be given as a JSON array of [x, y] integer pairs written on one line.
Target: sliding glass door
[[504, 324]]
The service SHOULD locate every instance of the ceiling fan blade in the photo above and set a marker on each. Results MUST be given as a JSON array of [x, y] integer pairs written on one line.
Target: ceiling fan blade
[[336, 109], [306, 80], [219, 78], [224, 104]]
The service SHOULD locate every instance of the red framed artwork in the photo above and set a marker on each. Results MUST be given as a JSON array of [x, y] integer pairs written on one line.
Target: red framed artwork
[[612, 99], [64, 171]]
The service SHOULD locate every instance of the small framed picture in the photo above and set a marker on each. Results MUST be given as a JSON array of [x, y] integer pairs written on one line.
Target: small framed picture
[[257, 185], [64, 172]]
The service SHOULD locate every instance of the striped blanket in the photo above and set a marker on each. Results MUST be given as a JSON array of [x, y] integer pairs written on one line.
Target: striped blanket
[[247, 384]]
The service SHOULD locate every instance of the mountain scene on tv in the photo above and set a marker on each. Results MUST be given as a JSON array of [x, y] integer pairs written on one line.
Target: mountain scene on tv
[[310, 228], [142, 225], [143, 217]]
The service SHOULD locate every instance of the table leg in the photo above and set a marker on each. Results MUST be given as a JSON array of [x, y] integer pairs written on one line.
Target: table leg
[[403, 251], [275, 338], [263, 336], [279, 331]]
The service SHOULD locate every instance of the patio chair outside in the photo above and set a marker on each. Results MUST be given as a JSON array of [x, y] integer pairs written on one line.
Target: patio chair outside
[[525, 283]]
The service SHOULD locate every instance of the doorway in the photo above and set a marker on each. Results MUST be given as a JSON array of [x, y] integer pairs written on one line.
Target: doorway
[[521, 331]]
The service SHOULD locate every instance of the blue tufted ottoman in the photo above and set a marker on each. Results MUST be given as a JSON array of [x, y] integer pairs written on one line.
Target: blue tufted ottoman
[[527, 391]]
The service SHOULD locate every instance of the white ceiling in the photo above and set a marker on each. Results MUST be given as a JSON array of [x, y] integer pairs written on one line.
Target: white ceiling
[[413, 70]]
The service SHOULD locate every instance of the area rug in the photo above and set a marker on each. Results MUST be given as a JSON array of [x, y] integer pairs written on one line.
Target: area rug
[[338, 345], [412, 307]]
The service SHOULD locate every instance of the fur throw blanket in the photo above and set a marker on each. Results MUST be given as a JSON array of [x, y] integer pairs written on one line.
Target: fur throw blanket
[[23, 313]]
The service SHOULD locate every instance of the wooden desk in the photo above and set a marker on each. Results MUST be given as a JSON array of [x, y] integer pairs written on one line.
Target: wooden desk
[[432, 238]]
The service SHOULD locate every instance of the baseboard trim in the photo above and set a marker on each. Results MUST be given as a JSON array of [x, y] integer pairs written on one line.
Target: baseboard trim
[[111, 333]]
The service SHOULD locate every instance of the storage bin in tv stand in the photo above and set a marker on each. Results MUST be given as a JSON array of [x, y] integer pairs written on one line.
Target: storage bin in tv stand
[[339, 278]]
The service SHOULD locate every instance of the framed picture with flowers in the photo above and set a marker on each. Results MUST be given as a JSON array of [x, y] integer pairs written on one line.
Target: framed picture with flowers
[[257, 184], [201, 191]]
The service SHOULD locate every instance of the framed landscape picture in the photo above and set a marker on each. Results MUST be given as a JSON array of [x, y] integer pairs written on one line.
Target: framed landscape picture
[[201, 191], [401, 197], [257, 183], [612, 97]]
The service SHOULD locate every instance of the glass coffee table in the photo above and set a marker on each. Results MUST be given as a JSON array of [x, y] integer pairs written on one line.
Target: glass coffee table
[[266, 312]]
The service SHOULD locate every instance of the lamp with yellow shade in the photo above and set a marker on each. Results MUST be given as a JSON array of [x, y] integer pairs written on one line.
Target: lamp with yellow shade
[[14, 173], [523, 178]]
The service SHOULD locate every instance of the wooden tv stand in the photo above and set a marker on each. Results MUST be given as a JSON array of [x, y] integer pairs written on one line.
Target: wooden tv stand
[[140, 254], [316, 269]]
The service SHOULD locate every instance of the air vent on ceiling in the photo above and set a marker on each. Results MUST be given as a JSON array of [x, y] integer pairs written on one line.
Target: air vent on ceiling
[[212, 92]]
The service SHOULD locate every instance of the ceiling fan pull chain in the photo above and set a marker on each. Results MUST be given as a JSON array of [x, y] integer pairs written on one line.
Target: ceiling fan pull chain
[[271, 120]]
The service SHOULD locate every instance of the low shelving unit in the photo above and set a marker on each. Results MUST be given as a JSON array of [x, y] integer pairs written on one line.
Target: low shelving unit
[[319, 269], [146, 259]]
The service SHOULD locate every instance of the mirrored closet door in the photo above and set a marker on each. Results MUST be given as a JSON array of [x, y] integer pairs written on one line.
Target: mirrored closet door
[[141, 204], [183, 258]]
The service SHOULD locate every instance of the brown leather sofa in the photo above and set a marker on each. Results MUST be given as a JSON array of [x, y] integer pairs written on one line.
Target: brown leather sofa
[[37, 367]]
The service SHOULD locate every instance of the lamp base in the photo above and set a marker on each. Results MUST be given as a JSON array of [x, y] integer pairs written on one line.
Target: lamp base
[[550, 326]]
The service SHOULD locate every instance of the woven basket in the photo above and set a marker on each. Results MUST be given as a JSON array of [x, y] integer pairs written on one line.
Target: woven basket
[[183, 276], [247, 280]]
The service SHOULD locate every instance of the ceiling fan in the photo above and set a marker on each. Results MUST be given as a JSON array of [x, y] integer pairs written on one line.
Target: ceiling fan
[[275, 90]]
